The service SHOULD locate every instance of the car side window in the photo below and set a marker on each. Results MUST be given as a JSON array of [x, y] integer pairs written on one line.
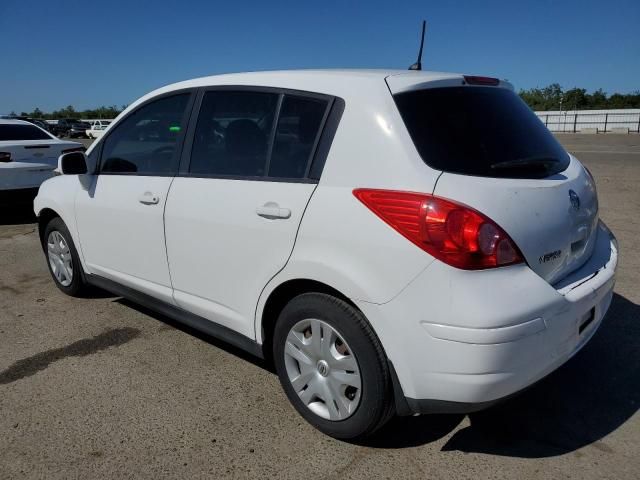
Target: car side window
[[232, 134], [298, 129], [147, 141]]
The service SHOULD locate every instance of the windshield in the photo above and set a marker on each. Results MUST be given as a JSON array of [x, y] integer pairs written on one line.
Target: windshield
[[22, 132], [481, 131]]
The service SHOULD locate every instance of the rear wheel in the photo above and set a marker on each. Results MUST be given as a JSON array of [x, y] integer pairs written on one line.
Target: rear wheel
[[62, 258], [332, 366]]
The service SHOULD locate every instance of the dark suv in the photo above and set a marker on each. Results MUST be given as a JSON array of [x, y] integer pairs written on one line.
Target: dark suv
[[71, 127]]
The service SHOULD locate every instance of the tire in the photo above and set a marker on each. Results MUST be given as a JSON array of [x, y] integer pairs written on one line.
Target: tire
[[353, 351], [57, 241]]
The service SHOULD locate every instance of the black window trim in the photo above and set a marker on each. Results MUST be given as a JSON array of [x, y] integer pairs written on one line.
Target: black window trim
[[319, 152], [272, 134], [329, 129], [187, 118]]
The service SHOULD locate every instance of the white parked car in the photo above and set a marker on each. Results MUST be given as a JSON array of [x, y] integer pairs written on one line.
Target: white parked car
[[394, 241], [28, 154], [97, 128]]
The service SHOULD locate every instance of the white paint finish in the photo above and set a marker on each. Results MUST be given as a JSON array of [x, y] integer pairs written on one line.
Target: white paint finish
[[122, 238], [485, 301], [59, 194], [575, 285], [29, 167], [221, 251], [372, 147], [536, 213], [343, 244], [25, 175], [485, 336], [406, 81]]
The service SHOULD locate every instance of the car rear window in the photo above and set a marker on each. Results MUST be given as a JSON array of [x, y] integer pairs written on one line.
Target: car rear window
[[22, 132], [482, 131]]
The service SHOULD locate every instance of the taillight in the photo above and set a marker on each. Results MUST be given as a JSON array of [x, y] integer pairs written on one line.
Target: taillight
[[454, 233], [74, 149], [5, 157], [476, 80]]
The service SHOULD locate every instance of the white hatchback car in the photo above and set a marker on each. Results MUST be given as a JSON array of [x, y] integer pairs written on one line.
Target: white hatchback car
[[396, 242]]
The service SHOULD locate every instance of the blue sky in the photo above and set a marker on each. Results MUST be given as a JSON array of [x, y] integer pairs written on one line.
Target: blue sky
[[90, 53]]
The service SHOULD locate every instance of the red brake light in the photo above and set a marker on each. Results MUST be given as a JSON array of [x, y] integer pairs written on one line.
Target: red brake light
[[5, 157], [454, 233], [476, 80]]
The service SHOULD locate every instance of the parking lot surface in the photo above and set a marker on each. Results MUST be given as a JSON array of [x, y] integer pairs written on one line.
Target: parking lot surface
[[101, 388]]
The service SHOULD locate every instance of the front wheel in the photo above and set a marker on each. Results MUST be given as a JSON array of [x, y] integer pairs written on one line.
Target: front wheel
[[332, 366], [62, 258]]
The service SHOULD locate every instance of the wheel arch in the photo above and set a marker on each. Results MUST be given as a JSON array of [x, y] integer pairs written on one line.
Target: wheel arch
[[280, 296], [291, 288], [47, 207], [44, 217]]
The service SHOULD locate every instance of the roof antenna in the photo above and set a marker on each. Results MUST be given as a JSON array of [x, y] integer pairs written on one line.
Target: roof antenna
[[418, 64]]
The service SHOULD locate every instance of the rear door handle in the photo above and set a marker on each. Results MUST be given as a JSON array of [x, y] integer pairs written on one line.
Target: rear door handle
[[148, 198], [272, 210]]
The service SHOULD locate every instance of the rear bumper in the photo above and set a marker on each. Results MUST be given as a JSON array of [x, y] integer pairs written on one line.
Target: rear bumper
[[23, 175], [461, 341]]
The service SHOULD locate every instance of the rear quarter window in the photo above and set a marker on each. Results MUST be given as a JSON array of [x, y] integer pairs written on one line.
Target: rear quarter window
[[481, 131], [296, 136]]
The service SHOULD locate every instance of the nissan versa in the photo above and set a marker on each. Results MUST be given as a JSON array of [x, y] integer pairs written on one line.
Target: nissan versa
[[396, 242]]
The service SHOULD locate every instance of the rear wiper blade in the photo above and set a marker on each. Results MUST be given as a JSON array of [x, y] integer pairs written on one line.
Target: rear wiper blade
[[527, 162]]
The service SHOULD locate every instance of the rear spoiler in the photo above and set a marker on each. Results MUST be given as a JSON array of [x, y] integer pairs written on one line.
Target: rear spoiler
[[407, 82]]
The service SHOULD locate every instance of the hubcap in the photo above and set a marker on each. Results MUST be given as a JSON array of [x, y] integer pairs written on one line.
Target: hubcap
[[322, 369], [60, 258]]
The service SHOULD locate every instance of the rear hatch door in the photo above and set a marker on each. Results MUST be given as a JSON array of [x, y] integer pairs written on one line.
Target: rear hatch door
[[497, 157], [551, 220]]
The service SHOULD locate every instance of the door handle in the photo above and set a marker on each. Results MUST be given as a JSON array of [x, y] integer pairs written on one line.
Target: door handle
[[148, 198], [272, 210]]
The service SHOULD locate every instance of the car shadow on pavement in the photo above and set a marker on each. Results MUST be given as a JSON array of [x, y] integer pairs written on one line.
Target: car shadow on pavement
[[578, 405], [222, 345], [16, 211], [582, 402]]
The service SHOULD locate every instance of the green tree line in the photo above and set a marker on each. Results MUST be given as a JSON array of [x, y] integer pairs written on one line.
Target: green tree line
[[71, 112], [553, 97]]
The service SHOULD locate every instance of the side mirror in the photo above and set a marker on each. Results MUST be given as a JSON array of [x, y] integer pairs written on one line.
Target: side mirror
[[72, 163]]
